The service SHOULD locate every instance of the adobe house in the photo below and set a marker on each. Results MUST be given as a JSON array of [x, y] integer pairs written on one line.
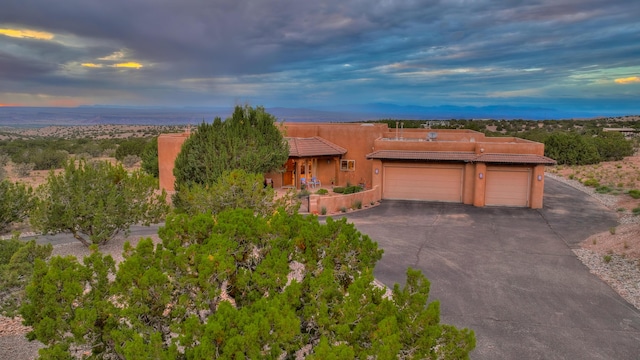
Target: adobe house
[[460, 166]]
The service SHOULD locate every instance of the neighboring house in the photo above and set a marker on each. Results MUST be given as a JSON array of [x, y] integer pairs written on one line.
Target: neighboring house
[[461, 166]]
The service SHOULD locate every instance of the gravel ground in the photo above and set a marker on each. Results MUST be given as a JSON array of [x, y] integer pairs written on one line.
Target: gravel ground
[[618, 271]]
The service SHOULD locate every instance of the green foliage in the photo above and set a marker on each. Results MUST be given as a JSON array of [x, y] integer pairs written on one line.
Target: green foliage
[[636, 211], [322, 192], [150, 158], [233, 190], [130, 160], [591, 182], [42, 159], [16, 266], [357, 204], [612, 146], [349, 189], [16, 200], [606, 258], [634, 193], [97, 201], [249, 140], [236, 285], [323, 210], [133, 146], [571, 149]]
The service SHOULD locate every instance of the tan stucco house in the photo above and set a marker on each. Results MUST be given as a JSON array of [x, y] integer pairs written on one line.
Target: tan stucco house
[[461, 166]]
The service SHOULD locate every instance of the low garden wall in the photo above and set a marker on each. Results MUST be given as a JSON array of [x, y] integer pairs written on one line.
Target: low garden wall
[[336, 203]]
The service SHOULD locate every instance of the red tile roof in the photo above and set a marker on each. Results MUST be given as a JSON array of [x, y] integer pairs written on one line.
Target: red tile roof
[[460, 156], [422, 155], [313, 146], [515, 159]]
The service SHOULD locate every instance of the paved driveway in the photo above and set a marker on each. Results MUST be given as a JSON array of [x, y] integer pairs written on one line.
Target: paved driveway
[[510, 275]]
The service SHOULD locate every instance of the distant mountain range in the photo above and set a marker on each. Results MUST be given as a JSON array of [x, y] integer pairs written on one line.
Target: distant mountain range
[[104, 114]]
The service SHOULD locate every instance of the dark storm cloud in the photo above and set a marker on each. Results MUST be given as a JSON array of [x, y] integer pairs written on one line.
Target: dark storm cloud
[[409, 48]]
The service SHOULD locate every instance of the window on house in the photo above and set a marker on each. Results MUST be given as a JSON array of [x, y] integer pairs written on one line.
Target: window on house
[[347, 165]]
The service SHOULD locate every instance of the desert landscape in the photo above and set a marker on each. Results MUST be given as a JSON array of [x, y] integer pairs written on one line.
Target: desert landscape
[[614, 256]]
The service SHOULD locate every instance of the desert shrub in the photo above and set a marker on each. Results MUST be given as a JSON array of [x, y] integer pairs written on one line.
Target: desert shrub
[[343, 209], [357, 204], [571, 149], [591, 182], [339, 189], [134, 146], [16, 266], [16, 200], [24, 169], [603, 189], [303, 193], [636, 211], [322, 192], [612, 230], [607, 258], [634, 193], [323, 210], [130, 160]]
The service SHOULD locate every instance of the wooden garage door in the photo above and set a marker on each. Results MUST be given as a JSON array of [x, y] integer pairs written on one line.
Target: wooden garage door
[[423, 182], [508, 186]]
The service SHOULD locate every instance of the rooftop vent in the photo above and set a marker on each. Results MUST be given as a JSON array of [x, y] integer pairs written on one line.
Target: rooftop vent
[[432, 136]]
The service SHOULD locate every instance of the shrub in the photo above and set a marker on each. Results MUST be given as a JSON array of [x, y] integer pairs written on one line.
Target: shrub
[[339, 189], [634, 193], [16, 200], [607, 258], [24, 169], [133, 146], [16, 266], [323, 210], [322, 192], [130, 160], [612, 230], [343, 209], [636, 211], [603, 189], [357, 204], [591, 182]]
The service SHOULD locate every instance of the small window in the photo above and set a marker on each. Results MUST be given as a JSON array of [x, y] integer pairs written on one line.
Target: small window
[[347, 165]]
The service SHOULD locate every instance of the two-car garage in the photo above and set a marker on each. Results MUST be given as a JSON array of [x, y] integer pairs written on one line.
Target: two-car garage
[[426, 182], [485, 179], [441, 182]]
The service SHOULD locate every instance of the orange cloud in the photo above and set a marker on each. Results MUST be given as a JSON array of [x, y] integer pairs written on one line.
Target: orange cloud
[[628, 80], [26, 34], [129, 64]]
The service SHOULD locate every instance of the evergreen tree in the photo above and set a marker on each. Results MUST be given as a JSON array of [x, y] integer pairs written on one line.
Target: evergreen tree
[[237, 285], [249, 140], [96, 201], [16, 200]]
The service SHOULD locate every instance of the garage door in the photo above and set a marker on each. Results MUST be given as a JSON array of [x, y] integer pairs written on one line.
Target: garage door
[[508, 186], [423, 182]]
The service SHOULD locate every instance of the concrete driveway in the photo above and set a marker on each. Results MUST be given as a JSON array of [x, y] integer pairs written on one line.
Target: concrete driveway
[[510, 275]]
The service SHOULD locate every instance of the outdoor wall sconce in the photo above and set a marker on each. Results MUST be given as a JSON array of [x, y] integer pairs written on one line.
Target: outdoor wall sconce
[[539, 177], [377, 171], [481, 175]]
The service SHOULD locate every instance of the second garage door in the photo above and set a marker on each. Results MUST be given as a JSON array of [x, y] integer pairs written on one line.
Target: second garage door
[[508, 186], [423, 182]]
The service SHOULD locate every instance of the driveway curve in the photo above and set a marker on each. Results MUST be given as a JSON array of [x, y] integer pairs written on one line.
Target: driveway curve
[[510, 275]]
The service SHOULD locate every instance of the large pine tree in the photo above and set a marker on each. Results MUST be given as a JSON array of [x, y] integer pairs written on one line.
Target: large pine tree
[[249, 140]]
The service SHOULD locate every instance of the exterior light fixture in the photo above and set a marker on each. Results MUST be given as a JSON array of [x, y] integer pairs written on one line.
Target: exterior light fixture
[[377, 171], [539, 177], [481, 175]]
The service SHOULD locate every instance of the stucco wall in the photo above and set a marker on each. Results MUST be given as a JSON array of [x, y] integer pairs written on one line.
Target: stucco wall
[[169, 146], [334, 203]]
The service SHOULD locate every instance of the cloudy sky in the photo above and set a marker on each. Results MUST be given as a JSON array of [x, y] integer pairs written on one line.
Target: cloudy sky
[[565, 54]]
